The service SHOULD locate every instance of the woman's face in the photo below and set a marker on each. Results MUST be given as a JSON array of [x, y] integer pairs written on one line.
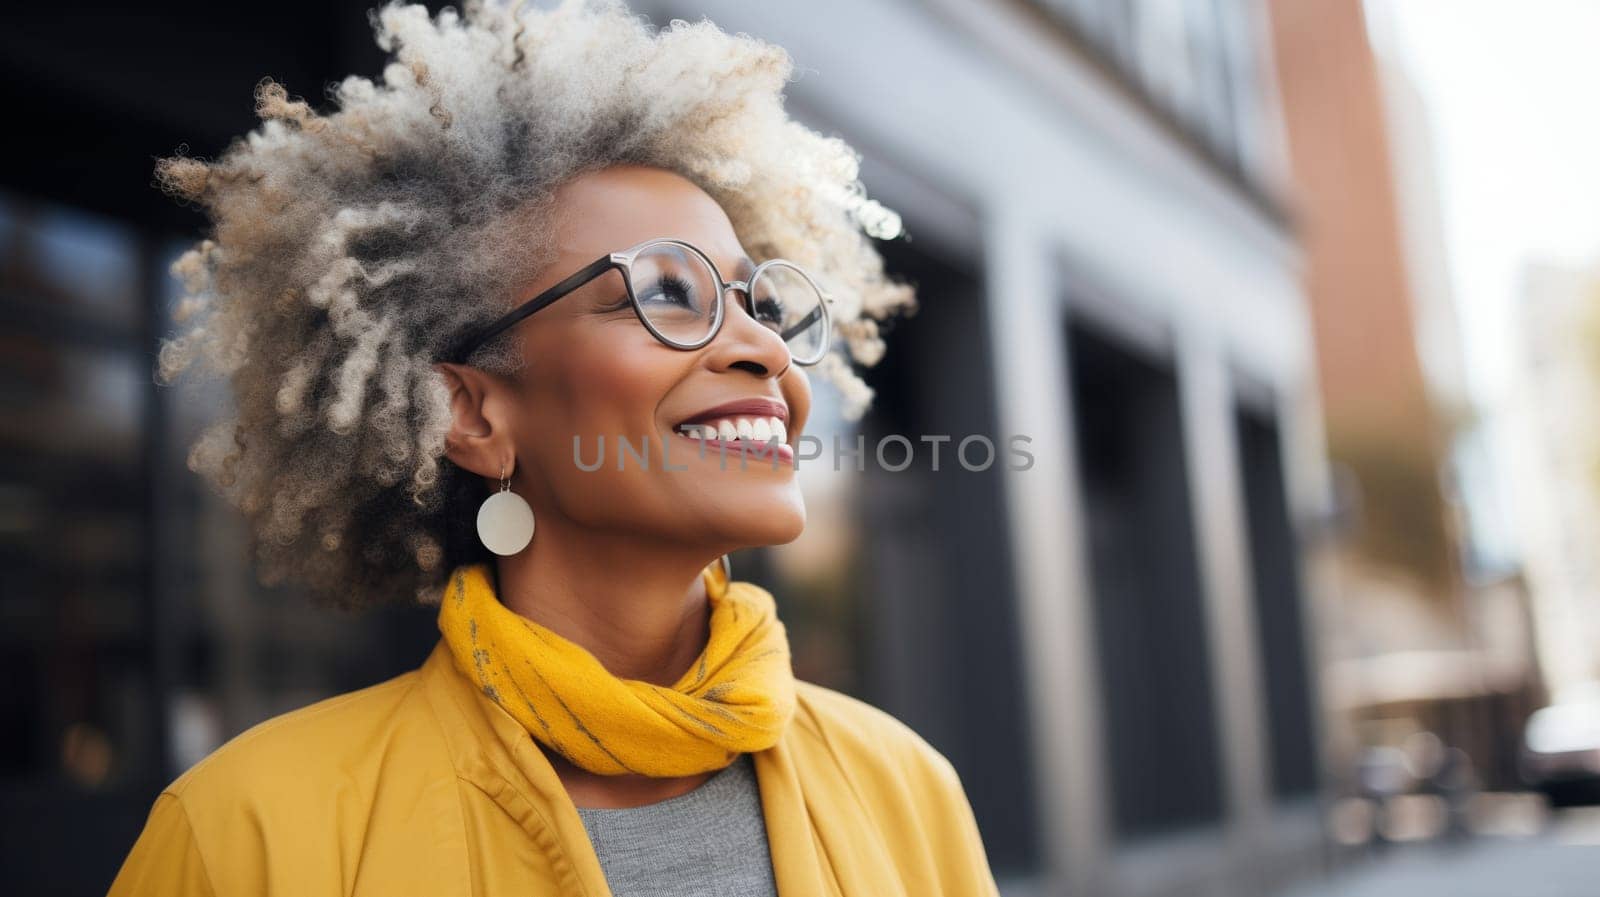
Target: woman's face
[[593, 371]]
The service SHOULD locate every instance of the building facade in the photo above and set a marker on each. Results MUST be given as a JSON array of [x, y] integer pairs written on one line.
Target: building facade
[[1553, 414]]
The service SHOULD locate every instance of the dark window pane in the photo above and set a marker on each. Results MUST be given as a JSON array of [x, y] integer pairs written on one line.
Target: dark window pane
[[1280, 637], [1151, 636]]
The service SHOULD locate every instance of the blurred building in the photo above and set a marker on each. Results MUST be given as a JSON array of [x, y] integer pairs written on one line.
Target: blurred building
[[1429, 630], [1556, 416], [1384, 425], [1114, 642], [1500, 676]]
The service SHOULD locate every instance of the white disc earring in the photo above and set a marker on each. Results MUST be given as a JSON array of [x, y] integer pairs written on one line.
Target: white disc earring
[[505, 522]]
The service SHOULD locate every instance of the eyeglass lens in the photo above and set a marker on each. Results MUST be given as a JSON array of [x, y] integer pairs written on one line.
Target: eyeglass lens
[[677, 292]]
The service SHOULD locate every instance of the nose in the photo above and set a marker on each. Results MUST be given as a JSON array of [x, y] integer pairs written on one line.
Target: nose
[[745, 343]]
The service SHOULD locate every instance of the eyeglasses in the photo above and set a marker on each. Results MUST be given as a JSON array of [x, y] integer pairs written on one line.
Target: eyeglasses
[[676, 292]]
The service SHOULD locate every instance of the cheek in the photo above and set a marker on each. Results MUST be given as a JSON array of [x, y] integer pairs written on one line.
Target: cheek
[[797, 395], [598, 385], [615, 390], [607, 379]]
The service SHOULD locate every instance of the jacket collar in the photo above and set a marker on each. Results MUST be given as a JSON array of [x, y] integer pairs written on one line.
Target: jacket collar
[[490, 749]]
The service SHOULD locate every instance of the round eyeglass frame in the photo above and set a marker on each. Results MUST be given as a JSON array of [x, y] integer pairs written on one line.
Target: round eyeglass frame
[[622, 261]]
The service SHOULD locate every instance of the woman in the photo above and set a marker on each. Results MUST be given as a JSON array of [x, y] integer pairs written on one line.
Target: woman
[[588, 265]]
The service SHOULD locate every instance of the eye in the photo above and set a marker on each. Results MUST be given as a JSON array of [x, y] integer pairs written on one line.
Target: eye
[[769, 309], [767, 301], [671, 289]]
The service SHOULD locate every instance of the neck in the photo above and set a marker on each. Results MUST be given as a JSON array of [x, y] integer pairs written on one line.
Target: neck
[[639, 606]]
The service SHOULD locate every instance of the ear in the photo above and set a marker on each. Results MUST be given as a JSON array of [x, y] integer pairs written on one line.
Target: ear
[[477, 440]]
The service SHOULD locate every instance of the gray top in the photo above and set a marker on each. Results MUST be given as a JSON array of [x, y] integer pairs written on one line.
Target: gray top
[[710, 842]]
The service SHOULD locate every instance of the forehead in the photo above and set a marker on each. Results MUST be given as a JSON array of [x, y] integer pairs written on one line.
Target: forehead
[[614, 208]]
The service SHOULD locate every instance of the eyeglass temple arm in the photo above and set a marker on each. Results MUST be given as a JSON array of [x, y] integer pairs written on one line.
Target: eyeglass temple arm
[[465, 346], [802, 324]]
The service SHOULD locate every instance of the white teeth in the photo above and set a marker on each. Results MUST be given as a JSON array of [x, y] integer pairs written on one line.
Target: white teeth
[[756, 429]]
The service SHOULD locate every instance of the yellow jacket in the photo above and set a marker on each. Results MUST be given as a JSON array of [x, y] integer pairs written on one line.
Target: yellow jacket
[[421, 785]]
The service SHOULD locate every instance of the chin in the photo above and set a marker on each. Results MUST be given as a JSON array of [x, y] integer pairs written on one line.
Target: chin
[[753, 519], [780, 534]]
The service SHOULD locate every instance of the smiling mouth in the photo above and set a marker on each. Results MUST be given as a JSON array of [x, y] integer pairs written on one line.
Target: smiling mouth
[[737, 429], [762, 437]]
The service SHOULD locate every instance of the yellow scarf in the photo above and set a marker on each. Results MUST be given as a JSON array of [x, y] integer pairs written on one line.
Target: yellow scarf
[[736, 698]]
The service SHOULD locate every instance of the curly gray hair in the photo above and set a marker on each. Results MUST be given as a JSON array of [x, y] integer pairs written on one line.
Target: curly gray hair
[[346, 249]]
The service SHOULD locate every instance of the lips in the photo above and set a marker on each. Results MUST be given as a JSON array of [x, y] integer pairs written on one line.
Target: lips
[[743, 408]]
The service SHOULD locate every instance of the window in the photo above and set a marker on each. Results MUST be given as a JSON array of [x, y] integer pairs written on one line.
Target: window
[[1280, 636], [1161, 739], [1194, 61]]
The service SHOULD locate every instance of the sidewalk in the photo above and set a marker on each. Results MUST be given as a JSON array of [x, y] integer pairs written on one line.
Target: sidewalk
[[1562, 861]]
